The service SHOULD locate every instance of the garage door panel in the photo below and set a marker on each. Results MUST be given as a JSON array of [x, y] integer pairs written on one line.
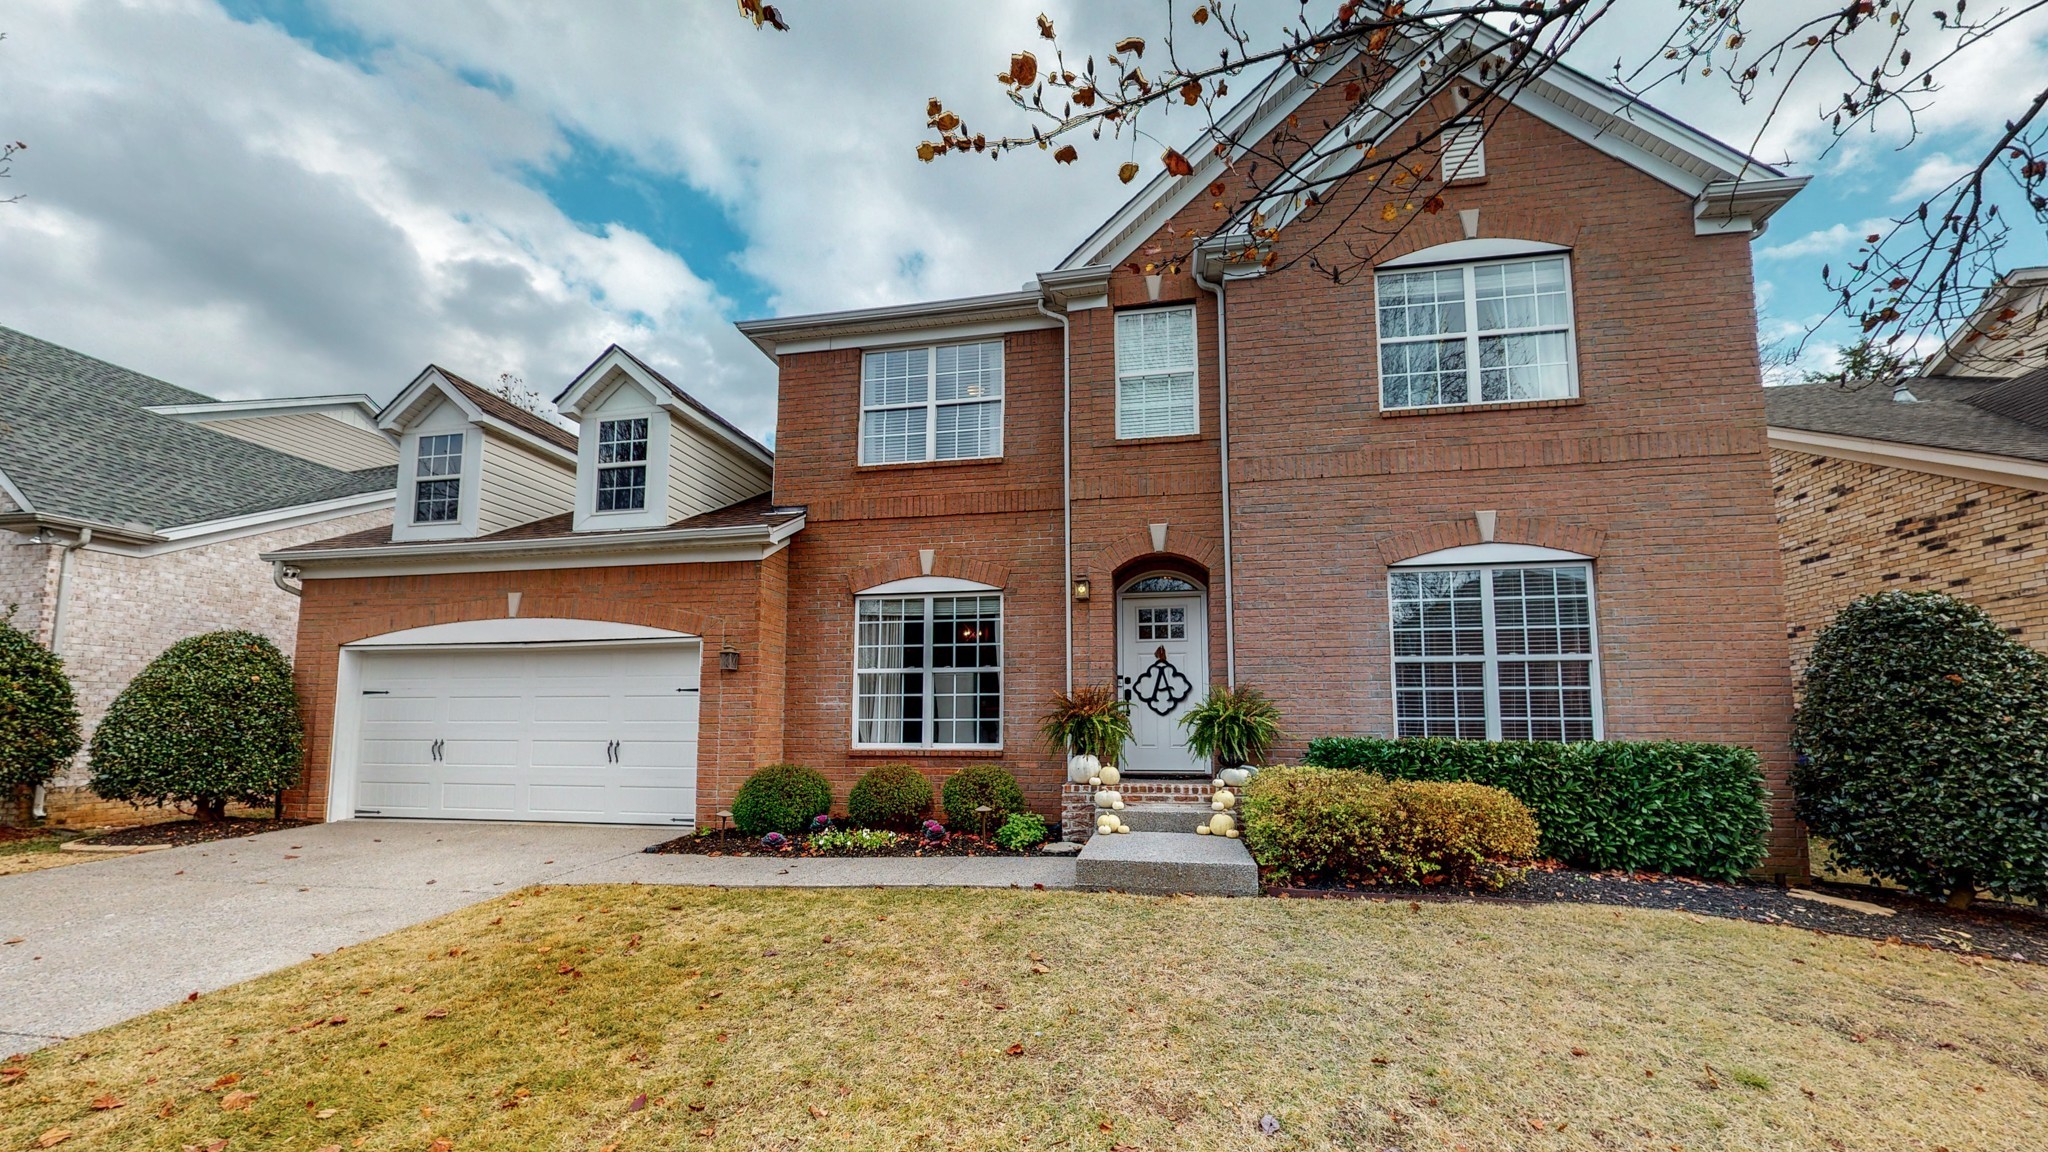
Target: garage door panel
[[528, 734]]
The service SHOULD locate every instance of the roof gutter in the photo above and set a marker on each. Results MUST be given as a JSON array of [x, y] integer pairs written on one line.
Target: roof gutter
[[34, 522], [653, 540], [770, 335]]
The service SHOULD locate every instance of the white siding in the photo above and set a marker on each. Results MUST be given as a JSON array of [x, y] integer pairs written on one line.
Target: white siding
[[705, 475], [520, 486], [311, 436]]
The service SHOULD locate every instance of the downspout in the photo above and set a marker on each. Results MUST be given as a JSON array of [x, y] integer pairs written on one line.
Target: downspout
[[279, 573], [1223, 435], [1066, 473], [39, 806]]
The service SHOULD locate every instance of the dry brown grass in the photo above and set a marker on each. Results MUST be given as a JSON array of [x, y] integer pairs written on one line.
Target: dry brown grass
[[38, 853], [916, 1019]]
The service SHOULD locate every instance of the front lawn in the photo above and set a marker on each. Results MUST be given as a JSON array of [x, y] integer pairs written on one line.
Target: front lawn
[[631, 1018], [32, 850]]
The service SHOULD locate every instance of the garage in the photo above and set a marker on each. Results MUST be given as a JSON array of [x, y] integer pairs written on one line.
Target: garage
[[601, 728]]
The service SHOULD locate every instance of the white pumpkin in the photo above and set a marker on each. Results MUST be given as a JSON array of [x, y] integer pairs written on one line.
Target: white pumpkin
[[1095, 781], [1235, 777], [1223, 800], [1110, 775], [1201, 829], [1123, 827], [1119, 805], [1105, 798], [1222, 824], [1081, 769], [1232, 833]]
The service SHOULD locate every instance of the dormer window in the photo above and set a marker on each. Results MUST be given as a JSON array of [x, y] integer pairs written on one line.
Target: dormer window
[[437, 480], [622, 465]]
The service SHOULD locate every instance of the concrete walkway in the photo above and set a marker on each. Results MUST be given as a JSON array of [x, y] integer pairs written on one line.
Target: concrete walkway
[[103, 941]]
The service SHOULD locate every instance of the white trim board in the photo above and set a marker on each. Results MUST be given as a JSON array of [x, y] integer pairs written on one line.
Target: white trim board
[[1982, 467], [1473, 555], [920, 585], [518, 630]]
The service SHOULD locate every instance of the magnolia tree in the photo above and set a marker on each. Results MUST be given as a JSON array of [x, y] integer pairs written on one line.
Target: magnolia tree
[[1880, 61]]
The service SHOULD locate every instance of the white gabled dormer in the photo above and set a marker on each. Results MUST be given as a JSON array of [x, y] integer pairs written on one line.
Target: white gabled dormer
[[650, 454], [470, 463]]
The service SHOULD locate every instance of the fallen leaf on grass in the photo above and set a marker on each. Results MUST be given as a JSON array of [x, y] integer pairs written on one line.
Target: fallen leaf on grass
[[209, 1146], [436, 1014], [227, 1081], [1014, 1050], [167, 1111], [638, 1102], [818, 1113], [444, 1144], [328, 1148], [237, 1101], [108, 1103], [53, 1137], [327, 1114], [1580, 1052]]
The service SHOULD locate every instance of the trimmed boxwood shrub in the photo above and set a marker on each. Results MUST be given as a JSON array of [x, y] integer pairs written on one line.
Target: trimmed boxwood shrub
[[38, 714], [976, 785], [781, 798], [213, 719], [1358, 828], [1923, 740], [1657, 806], [893, 796]]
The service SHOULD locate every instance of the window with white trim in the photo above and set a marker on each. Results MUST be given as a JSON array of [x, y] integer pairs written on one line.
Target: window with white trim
[[928, 671], [622, 464], [1495, 653], [1155, 373], [437, 479], [935, 403], [1476, 333]]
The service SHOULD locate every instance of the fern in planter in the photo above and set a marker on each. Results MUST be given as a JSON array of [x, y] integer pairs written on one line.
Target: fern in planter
[[1233, 725], [1092, 721]]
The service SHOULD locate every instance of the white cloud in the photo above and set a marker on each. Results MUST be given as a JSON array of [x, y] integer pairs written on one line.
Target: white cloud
[[1931, 175]]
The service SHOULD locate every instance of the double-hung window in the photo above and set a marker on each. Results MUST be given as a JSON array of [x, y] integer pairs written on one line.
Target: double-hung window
[[1155, 373], [1476, 333], [938, 403], [622, 464], [1496, 653], [929, 671], [437, 479]]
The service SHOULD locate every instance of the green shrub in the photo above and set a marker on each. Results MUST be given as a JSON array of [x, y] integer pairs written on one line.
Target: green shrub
[[1089, 721], [213, 719], [781, 798], [977, 785], [893, 796], [38, 716], [1021, 831], [1357, 828], [1658, 806], [1923, 740], [853, 840], [1233, 725]]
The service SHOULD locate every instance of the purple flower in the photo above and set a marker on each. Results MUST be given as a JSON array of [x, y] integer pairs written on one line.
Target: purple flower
[[933, 830], [820, 823], [774, 840]]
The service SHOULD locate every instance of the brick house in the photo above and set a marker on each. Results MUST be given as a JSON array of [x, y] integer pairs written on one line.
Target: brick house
[[1513, 483], [1932, 482], [133, 511]]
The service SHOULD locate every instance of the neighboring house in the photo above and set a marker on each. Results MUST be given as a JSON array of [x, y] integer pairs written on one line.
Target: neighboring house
[[134, 511], [1512, 483], [1935, 482]]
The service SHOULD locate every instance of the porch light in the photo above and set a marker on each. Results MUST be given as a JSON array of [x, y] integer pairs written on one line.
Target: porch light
[[728, 659], [1082, 588]]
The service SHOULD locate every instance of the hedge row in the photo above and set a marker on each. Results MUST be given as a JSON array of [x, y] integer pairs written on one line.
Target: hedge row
[[1656, 806]]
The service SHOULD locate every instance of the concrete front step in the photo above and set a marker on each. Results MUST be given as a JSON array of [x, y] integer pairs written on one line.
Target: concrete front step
[[1165, 817], [1164, 863]]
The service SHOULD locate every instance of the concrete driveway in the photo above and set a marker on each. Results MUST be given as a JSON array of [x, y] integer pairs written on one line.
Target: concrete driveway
[[103, 941]]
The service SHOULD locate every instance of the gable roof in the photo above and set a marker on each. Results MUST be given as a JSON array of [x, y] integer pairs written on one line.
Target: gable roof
[[573, 398], [1959, 414], [78, 442], [478, 404]]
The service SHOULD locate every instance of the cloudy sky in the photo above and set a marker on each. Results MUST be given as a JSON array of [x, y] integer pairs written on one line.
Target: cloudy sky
[[257, 197]]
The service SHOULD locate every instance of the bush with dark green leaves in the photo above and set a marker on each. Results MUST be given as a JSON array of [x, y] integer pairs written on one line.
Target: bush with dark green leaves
[[975, 786], [1923, 739], [38, 715], [212, 720], [781, 798], [892, 796], [1656, 806]]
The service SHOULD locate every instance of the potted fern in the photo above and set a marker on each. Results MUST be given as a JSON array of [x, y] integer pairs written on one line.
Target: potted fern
[[1235, 726], [1089, 721]]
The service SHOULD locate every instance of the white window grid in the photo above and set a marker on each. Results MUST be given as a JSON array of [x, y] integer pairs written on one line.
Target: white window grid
[[928, 671], [940, 402], [622, 464], [437, 479], [1481, 333], [1507, 658], [1156, 381]]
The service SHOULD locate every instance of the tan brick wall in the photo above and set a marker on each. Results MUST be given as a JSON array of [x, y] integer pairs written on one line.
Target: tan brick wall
[[122, 611], [1850, 529], [729, 603], [28, 574]]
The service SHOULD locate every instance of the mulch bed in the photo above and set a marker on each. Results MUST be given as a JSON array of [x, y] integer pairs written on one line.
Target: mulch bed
[[2002, 933], [181, 832], [735, 844], [10, 834]]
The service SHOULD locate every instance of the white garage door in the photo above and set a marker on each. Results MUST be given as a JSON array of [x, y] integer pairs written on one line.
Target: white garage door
[[600, 734]]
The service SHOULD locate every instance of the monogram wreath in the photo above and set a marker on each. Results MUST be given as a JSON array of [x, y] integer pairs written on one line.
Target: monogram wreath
[[1161, 686]]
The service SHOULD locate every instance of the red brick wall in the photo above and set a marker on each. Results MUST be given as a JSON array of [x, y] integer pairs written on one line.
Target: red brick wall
[[729, 603], [1659, 466]]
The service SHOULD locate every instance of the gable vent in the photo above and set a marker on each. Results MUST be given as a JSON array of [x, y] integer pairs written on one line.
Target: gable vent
[[1464, 155]]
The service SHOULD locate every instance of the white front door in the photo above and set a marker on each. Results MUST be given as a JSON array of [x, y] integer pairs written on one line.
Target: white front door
[[1162, 671], [598, 734]]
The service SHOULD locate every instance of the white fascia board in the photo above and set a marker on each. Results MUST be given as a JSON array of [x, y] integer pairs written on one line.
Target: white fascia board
[[942, 334], [518, 630], [902, 323], [273, 520], [21, 501], [394, 416], [1981, 467], [654, 546], [232, 409], [443, 565]]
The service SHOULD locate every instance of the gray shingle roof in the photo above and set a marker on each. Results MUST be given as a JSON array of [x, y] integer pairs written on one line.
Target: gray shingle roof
[[1945, 416], [76, 439]]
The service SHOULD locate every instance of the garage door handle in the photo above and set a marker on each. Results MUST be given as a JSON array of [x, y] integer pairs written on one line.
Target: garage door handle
[[435, 750], [611, 751]]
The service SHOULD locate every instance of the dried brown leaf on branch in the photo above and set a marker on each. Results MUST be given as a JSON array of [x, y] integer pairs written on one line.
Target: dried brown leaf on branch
[[1176, 164]]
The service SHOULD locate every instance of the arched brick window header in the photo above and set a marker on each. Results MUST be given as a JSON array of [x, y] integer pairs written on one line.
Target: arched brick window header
[[1542, 531], [909, 567]]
